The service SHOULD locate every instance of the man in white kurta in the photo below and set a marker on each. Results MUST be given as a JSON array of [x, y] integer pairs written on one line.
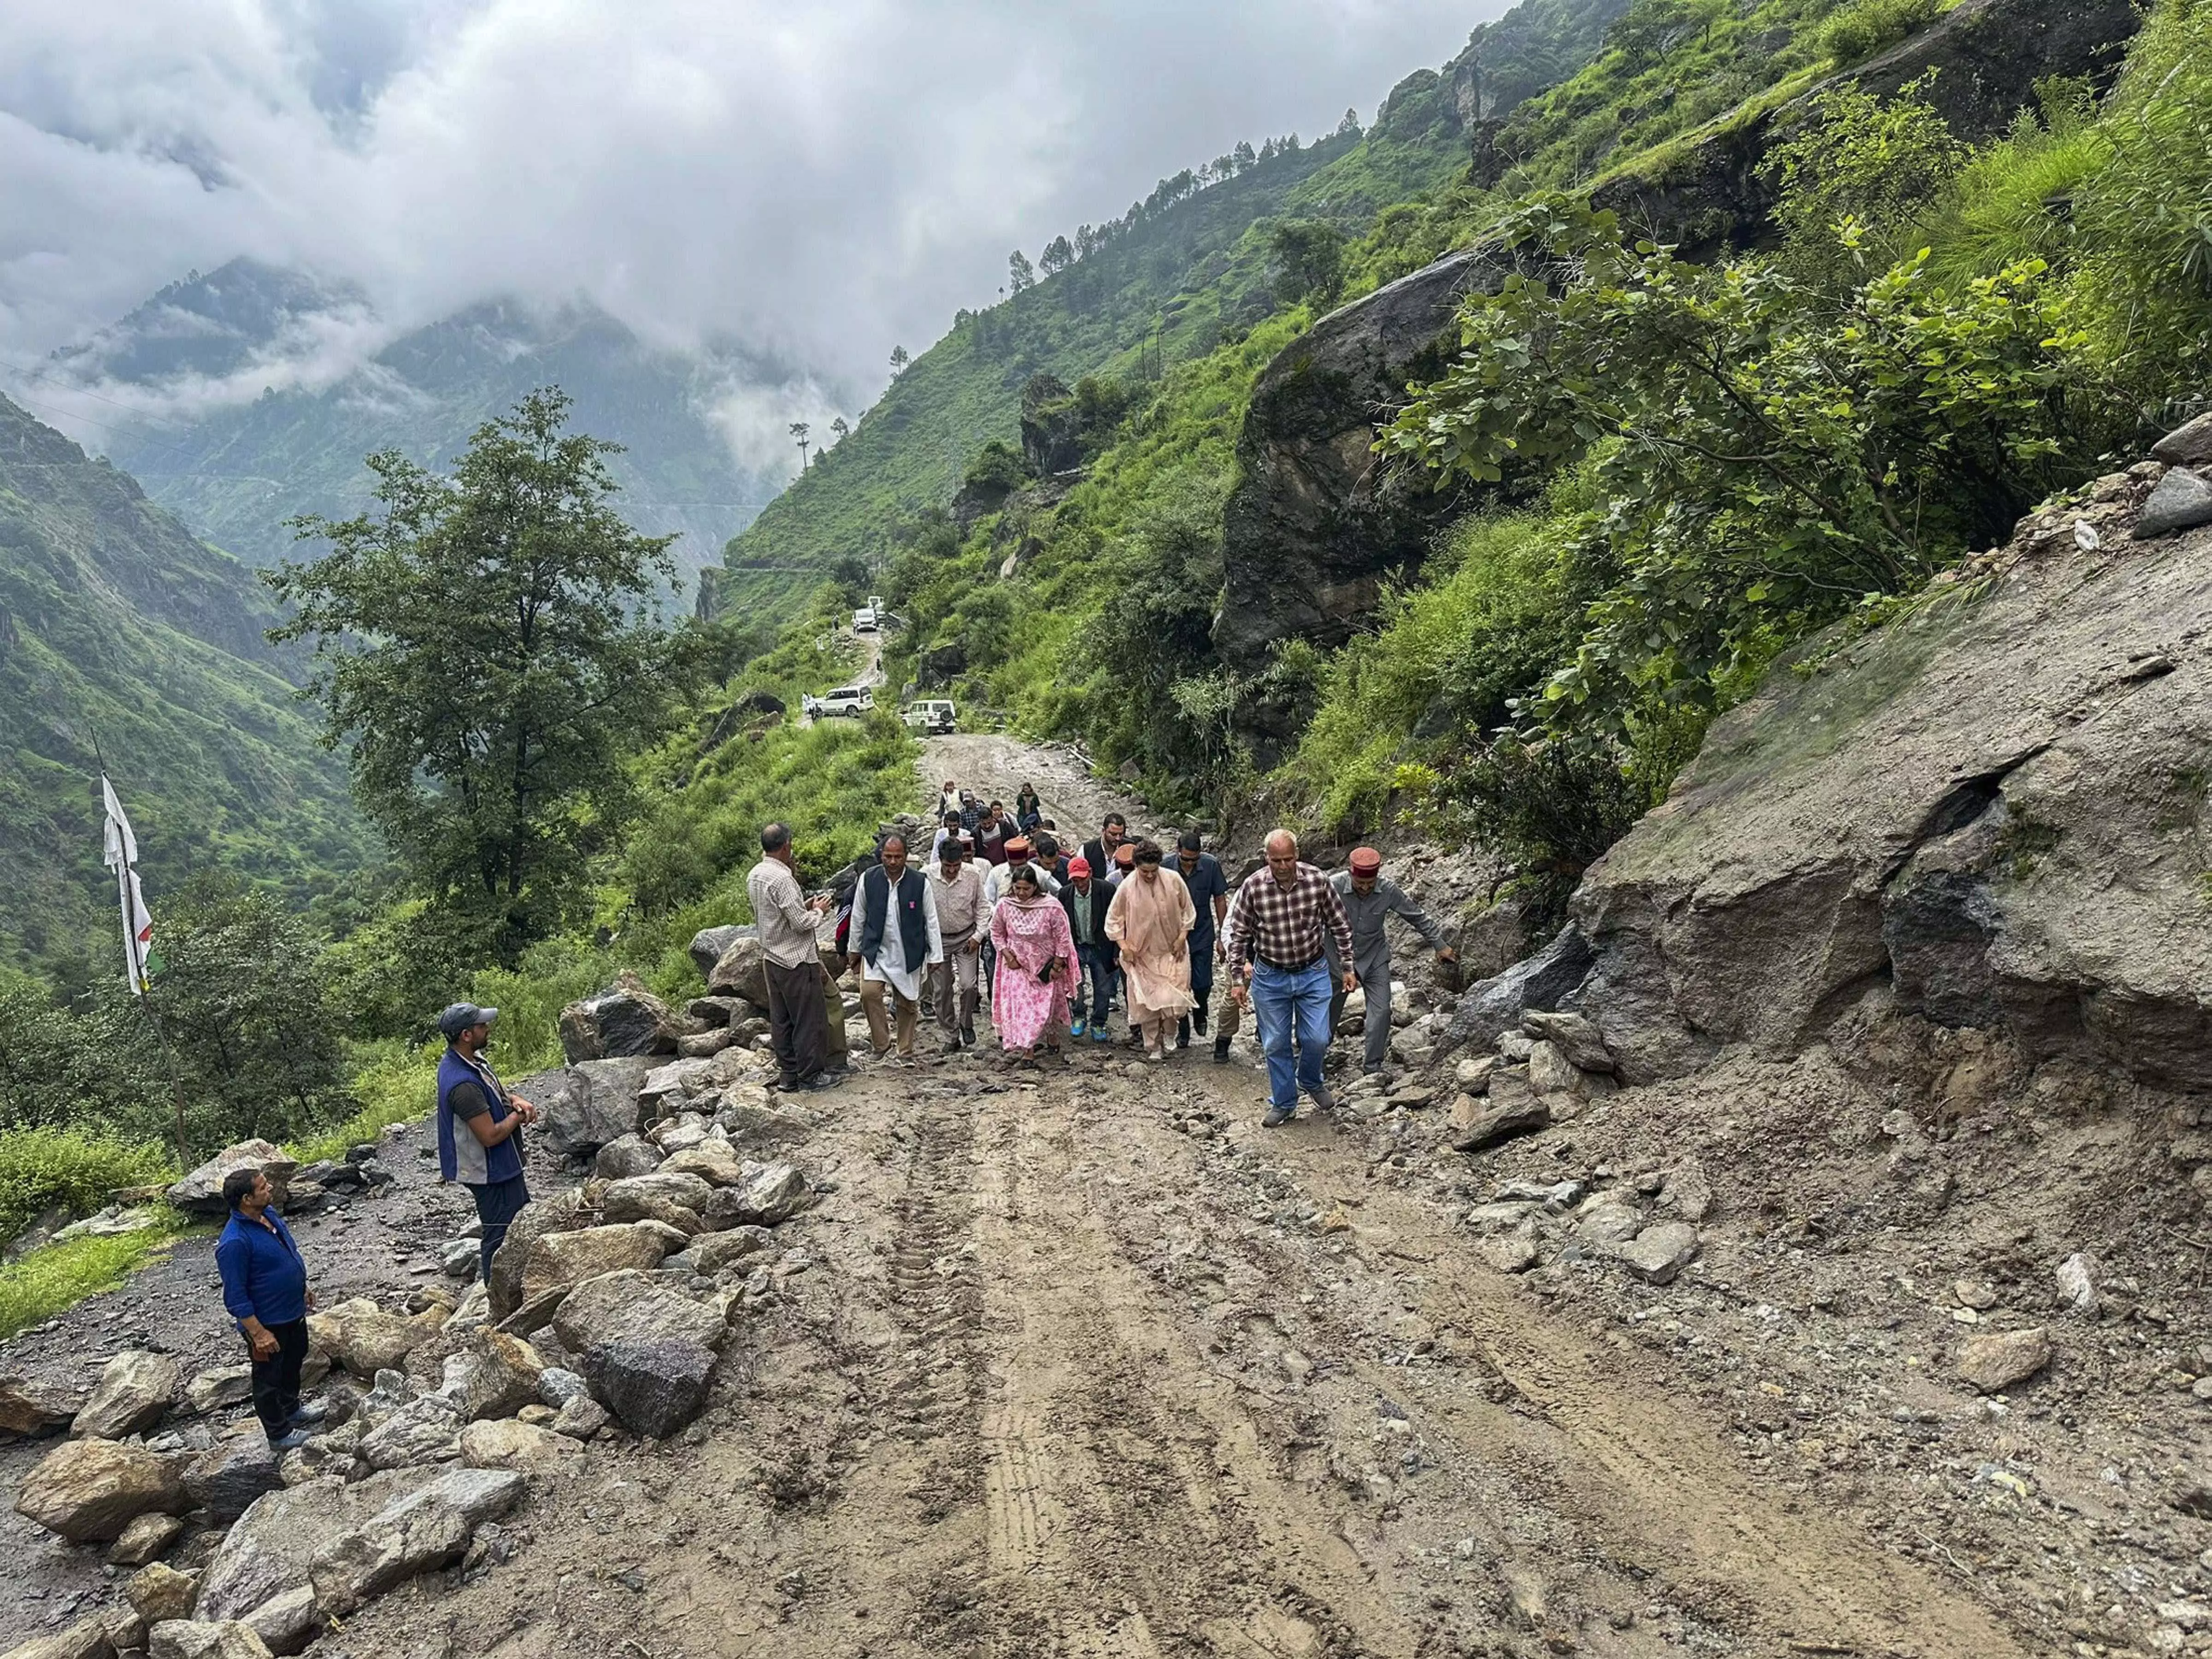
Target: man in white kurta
[[887, 964]]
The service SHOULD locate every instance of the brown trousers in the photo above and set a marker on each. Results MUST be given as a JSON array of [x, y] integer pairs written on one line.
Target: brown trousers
[[872, 993]]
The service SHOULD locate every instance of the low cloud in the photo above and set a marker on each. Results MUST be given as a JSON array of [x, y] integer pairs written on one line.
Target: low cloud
[[815, 184]]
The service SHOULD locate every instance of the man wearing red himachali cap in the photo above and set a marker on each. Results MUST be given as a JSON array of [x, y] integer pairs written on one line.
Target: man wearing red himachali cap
[[1368, 902]]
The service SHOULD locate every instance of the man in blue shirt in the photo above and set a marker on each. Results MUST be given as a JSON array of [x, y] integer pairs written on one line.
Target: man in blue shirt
[[264, 1289], [478, 1126]]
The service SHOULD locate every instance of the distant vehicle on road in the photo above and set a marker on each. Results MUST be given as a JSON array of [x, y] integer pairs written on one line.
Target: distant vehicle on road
[[864, 620], [934, 717], [855, 700]]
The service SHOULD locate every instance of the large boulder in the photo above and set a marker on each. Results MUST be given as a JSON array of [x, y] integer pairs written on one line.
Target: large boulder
[[628, 1155], [508, 1444], [89, 1638], [707, 945], [654, 1384], [30, 1409], [494, 1375], [570, 1258], [92, 1489], [564, 1212], [364, 1340], [595, 1104], [742, 970], [226, 1478], [350, 1542], [631, 1305], [426, 1430], [625, 1019], [200, 1192], [1982, 62], [767, 1195], [1972, 815], [639, 1197], [1502, 1003], [133, 1392]]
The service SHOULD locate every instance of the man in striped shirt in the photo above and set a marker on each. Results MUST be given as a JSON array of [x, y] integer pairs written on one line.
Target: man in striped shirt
[[1275, 942]]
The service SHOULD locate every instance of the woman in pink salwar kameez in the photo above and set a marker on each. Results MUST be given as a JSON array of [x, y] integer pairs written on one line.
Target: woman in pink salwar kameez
[[1031, 934]]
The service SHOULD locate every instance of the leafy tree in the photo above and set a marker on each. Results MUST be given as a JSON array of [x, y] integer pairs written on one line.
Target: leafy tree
[[1057, 256], [1020, 274], [482, 641], [799, 431], [1767, 459], [1348, 127], [899, 359], [1309, 255], [839, 429], [1873, 162]]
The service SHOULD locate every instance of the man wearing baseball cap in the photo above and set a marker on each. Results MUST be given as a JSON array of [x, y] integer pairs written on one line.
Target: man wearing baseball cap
[[480, 1126], [1368, 902]]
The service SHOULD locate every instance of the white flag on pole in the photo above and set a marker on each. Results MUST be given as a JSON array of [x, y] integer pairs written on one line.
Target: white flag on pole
[[122, 857]]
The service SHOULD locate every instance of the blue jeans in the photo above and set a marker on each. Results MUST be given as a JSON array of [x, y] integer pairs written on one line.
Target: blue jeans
[[1281, 1001], [1097, 964]]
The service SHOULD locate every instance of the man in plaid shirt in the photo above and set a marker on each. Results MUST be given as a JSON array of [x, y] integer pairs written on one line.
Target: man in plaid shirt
[[1277, 924]]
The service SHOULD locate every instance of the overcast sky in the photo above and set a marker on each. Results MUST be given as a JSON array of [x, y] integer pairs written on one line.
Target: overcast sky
[[822, 179]]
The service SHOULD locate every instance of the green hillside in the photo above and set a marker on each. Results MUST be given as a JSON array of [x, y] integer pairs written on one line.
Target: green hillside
[[1185, 268], [118, 627]]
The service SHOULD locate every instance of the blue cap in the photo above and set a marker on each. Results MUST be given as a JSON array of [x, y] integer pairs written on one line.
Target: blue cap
[[459, 1016]]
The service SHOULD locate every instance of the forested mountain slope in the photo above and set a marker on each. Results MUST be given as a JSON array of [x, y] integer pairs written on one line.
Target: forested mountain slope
[[1184, 269], [118, 628], [238, 472]]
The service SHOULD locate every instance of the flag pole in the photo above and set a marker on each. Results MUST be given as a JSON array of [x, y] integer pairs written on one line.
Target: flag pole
[[126, 879]]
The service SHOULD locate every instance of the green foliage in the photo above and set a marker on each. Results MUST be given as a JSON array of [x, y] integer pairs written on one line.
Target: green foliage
[[1766, 458], [2013, 199], [1308, 257], [1866, 28], [48, 1281], [43, 1167], [1871, 163], [998, 467], [479, 645], [394, 1081]]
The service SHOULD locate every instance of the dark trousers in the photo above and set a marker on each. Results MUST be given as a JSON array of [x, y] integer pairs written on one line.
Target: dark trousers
[[277, 1379], [797, 1021], [1099, 965], [497, 1203]]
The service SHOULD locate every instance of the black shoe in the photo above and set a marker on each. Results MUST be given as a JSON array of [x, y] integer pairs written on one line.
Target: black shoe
[[1321, 1097], [1198, 1019], [1221, 1051], [1277, 1116], [1182, 1034]]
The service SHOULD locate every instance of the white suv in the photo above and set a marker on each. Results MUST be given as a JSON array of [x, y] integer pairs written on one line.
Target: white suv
[[845, 700], [934, 717]]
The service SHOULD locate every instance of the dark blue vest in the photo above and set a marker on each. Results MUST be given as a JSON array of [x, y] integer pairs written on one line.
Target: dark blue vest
[[914, 932]]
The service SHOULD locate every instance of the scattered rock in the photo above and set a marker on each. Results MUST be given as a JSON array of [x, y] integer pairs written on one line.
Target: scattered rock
[[200, 1192], [2000, 1358], [1576, 1037], [704, 1045], [570, 1258], [1509, 1253], [92, 1489], [513, 1445], [2182, 499], [494, 1375], [1512, 1108], [1976, 1293], [767, 1195], [426, 1430], [1497, 1005], [30, 1409], [287, 1623], [714, 1162], [145, 1539], [182, 1639], [535, 1314], [557, 1386], [89, 1638], [157, 1594], [2077, 1285], [653, 1197], [628, 1305], [713, 1012], [218, 1387], [581, 1418], [708, 943], [595, 1104], [1610, 1221], [712, 1252], [1687, 1193], [364, 1339], [561, 1213], [133, 1392], [742, 970], [625, 1155], [1657, 1254], [625, 1019], [655, 1384], [226, 1479], [747, 1119]]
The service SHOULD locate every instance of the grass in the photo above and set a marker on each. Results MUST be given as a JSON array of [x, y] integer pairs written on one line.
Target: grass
[[48, 1281], [394, 1083]]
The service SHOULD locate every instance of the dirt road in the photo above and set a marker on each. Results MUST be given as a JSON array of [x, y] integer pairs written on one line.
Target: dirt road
[[1081, 1362]]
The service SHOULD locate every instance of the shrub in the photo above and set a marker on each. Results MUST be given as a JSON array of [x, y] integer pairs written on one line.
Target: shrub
[[41, 1168], [1869, 27], [48, 1281], [1870, 161]]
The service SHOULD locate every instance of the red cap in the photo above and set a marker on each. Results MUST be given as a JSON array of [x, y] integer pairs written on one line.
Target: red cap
[[1018, 847], [1079, 867], [1126, 852], [1366, 860]]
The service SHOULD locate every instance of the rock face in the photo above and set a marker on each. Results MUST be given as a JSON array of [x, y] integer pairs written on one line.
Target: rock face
[[625, 1019], [1317, 522], [88, 1489], [1987, 55], [200, 1192], [1976, 811], [133, 1391]]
